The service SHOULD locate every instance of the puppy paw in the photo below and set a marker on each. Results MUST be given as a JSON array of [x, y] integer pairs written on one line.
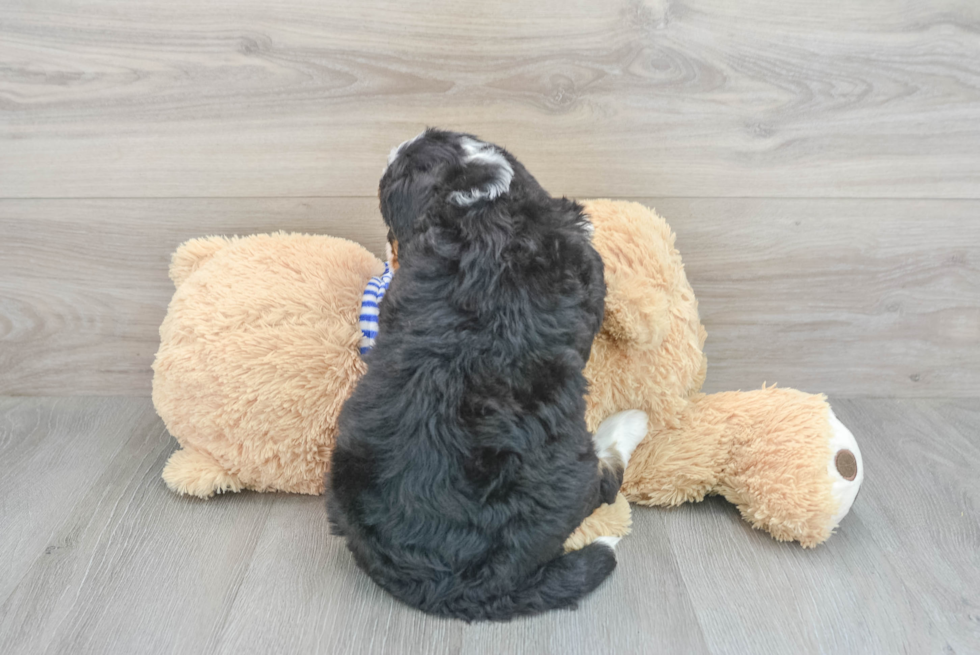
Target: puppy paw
[[608, 542], [604, 439], [620, 434]]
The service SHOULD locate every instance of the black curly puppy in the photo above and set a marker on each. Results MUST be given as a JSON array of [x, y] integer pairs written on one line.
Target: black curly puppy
[[463, 461]]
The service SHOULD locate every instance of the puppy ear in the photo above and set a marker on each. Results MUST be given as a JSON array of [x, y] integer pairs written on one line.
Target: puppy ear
[[402, 202], [485, 174]]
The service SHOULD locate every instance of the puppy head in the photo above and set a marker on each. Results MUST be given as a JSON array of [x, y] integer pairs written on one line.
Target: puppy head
[[440, 168]]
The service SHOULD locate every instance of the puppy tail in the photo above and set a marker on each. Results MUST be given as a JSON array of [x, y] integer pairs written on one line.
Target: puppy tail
[[560, 583]]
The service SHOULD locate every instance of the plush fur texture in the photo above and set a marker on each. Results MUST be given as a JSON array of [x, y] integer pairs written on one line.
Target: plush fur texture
[[779, 483], [767, 451], [256, 358], [215, 388], [463, 462]]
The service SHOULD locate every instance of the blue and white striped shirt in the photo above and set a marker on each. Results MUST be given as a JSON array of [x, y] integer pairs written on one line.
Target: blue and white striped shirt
[[373, 293]]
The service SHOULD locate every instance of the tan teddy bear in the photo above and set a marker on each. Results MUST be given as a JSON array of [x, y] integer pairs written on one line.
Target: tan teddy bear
[[259, 350]]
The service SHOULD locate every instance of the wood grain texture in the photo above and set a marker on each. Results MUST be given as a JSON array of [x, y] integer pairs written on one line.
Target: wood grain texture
[[116, 573], [124, 98], [84, 286], [847, 297], [850, 298], [932, 451], [315, 605], [115, 563], [53, 453]]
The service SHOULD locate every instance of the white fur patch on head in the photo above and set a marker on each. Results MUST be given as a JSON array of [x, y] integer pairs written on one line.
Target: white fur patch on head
[[487, 155]]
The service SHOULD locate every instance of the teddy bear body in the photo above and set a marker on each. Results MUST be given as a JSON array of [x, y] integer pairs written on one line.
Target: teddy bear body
[[259, 350]]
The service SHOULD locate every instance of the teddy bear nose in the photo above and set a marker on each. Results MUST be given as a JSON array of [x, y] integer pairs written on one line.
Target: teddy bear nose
[[846, 464]]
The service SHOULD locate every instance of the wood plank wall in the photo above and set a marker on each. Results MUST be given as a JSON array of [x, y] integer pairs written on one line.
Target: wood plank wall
[[819, 162]]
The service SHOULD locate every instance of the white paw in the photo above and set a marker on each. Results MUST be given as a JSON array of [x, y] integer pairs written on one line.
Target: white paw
[[604, 439], [609, 542], [845, 467], [620, 434]]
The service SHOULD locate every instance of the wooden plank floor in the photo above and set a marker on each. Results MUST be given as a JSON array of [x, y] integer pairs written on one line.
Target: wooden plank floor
[[99, 557]]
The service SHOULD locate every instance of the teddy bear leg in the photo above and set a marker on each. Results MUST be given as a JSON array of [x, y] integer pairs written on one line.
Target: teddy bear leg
[[780, 455], [681, 461], [196, 473]]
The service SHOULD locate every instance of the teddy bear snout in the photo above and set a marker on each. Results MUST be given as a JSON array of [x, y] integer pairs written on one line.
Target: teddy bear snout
[[845, 467]]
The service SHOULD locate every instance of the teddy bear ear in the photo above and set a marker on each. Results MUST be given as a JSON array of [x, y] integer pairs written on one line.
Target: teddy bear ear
[[191, 255]]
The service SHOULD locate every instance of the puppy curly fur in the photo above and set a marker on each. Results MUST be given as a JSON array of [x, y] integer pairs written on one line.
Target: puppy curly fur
[[463, 461]]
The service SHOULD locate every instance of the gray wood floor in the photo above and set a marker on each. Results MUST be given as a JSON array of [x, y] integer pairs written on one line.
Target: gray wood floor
[[100, 558]]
